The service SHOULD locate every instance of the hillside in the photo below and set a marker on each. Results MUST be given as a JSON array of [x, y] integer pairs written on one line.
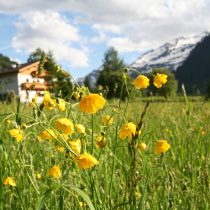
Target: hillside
[[171, 55], [195, 70]]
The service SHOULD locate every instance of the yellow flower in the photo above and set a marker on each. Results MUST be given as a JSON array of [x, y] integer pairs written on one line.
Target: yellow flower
[[9, 181], [60, 148], [9, 122], [127, 130], [141, 82], [86, 161], [142, 146], [48, 102], [101, 141], [161, 146], [64, 136], [38, 176], [91, 103], [61, 104], [80, 128], [76, 96], [46, 97], [65, 125], [107, 120], [17, 134], [76, 146], [55, 172], [47, 134], [160, 79]]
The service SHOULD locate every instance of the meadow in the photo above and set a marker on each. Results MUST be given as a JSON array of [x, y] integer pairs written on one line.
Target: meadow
[[125, 173]]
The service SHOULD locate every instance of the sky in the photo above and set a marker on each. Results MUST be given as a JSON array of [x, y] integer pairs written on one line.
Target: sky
[[78, 32]]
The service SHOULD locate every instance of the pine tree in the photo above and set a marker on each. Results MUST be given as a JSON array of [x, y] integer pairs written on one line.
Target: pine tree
[[110, 77]]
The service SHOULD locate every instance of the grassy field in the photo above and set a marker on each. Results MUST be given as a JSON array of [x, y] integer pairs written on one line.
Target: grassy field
[[126, 177]]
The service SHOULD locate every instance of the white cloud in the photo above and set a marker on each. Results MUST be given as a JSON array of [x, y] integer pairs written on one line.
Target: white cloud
[[99, 39], [50, 31], [145, 23], [124, 44]]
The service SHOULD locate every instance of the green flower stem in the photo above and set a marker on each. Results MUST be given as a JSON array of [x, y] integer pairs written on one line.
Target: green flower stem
[[92, 139]]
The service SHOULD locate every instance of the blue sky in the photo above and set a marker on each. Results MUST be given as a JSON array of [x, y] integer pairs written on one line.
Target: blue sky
[[80, 31]]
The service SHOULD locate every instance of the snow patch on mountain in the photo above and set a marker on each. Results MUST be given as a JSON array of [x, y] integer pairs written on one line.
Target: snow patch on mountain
[[170, 55]]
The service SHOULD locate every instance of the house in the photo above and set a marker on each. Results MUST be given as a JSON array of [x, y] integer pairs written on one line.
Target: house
[[25, 81]]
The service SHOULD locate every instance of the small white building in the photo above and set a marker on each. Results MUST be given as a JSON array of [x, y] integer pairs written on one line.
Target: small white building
[[25, 81]]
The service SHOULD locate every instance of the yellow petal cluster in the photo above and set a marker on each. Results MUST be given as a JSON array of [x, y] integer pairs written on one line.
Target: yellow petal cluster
[[86, 161], [76, 146], [48, 102], [127, 130], [61, 104], [60, 148], [65, 125], [141, 82], [47, 134], [9, 181], [101, 141], [17, 134], [80, 128], [107, 120], [142, 146], [38, 176], [55, 172], [161, 146], [160, 80], [92, 103]]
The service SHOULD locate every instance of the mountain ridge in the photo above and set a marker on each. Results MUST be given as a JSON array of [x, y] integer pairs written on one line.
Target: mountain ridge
[[169, 55]]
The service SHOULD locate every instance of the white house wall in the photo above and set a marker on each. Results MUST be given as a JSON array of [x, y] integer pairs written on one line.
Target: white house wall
[[22, 78]]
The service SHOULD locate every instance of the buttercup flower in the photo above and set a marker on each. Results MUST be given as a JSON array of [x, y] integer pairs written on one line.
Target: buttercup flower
[[86, 161], [91, 103], [101, 141], [47, 134], [127, 130], [142, 146], [80, 128], [64, 136], [17, 134], [76, 146], [160, 80], [65, 125], [141, 82], [55, 172], [48, 102], [9, 181], [38, 176], [61, 104], [161, 146], [107, 120], [60, 148]]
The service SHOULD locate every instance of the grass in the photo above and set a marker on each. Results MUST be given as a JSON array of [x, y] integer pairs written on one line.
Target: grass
[[177, 179]]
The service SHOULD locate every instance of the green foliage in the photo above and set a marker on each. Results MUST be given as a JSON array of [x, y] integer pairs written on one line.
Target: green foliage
[[110, 77], [169, 89], [179, 179], [5, 62], [36, 55], [87, 83], [62, 85]]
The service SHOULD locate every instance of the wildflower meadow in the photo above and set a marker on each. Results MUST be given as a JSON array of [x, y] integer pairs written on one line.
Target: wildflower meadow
[[94, 153]]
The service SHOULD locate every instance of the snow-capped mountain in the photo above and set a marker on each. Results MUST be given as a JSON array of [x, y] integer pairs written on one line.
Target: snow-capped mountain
[[170, 55]]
